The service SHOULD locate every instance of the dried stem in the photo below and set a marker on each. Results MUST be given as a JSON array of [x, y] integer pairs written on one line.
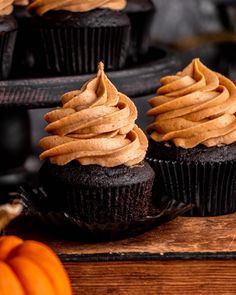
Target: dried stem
[[8, 212]]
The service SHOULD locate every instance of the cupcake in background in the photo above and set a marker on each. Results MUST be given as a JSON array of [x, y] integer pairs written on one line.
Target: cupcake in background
[[8, 33], [141, 13], [94, 167], [20, 8], [70, 39], [23, 60], [193, 139]]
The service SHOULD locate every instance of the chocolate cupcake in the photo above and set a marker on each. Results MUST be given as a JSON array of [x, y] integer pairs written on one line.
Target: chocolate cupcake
[[95, 169], [23, 60], [20, 9], [141, 13], [8, 32], [72, 38], [193, 139]]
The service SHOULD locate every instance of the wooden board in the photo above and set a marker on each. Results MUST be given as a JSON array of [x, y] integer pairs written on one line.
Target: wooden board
[[184, 237], [184, 256]]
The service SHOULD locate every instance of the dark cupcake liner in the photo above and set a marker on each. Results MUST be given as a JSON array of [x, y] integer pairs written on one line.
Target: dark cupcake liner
[[7, 45], [140, 33], [209, 186], [23, 59], [70, 51], [64, 224], [102, 204]]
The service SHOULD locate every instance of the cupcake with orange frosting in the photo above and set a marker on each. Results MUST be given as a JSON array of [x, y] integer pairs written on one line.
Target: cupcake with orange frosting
[[94, 167], [8, 33], [193, 139], [71, 37]]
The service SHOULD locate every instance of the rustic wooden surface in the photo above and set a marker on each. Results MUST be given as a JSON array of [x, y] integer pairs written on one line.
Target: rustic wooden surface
[[184, 256], [154, 278], [182, 235]]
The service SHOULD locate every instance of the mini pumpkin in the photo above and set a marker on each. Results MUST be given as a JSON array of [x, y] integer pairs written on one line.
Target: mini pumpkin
[[30, 268]]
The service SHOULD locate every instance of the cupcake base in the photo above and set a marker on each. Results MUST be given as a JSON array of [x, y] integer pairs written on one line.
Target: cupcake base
[[141, 14], [66, 43], [23, 61], [209, 187], [95, 194], [8, 33], [207, 182], [63, 225]]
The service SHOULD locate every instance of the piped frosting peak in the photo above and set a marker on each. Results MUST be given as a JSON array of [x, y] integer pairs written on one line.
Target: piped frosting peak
[[195, 106], [95, 125]]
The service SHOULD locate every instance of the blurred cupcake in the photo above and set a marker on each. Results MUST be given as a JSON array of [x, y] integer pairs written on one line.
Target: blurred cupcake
[[70, 38], [94, 168], [8, 32], [23, 60], [193, 139], [141, 13], [20, 8]]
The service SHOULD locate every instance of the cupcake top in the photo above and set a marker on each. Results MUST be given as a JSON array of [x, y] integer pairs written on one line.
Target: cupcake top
[[21, 2], [95, 125], [42, 6], [6, 7], [194, 107]]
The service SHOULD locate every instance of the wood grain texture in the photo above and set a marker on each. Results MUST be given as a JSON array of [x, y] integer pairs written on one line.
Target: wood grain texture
[[182, 235], [152, 278], [96, 269]]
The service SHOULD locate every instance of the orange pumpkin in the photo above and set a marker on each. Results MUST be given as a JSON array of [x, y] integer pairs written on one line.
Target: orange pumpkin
[[30, 268]]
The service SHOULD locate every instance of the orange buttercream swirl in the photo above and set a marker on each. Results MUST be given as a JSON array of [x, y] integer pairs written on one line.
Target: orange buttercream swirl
[[196, 106], [6, 7], [95, 125], [42, 6]]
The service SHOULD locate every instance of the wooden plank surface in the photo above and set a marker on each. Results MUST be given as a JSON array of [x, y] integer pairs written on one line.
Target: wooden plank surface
[[182, 235], [154, 278], [184, 256]]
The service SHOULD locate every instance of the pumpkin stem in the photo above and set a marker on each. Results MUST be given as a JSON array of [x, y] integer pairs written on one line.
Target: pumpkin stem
[[8, 212]]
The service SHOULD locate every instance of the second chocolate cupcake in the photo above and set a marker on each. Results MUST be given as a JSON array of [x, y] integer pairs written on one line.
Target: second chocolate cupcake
[[193, 139], [95, 169], [72, 38]]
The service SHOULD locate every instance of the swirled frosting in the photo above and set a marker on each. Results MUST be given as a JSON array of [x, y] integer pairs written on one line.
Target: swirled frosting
[[95, 125], [196, 106], [6, 7], [42, 6], [21, 2]]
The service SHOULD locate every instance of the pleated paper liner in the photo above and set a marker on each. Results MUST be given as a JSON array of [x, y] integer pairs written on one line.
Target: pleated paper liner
[[23, 59], [95, 204], [71, 51], [63, 224], [209, 186], [115, 195], [140, 26], [7, 45]]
